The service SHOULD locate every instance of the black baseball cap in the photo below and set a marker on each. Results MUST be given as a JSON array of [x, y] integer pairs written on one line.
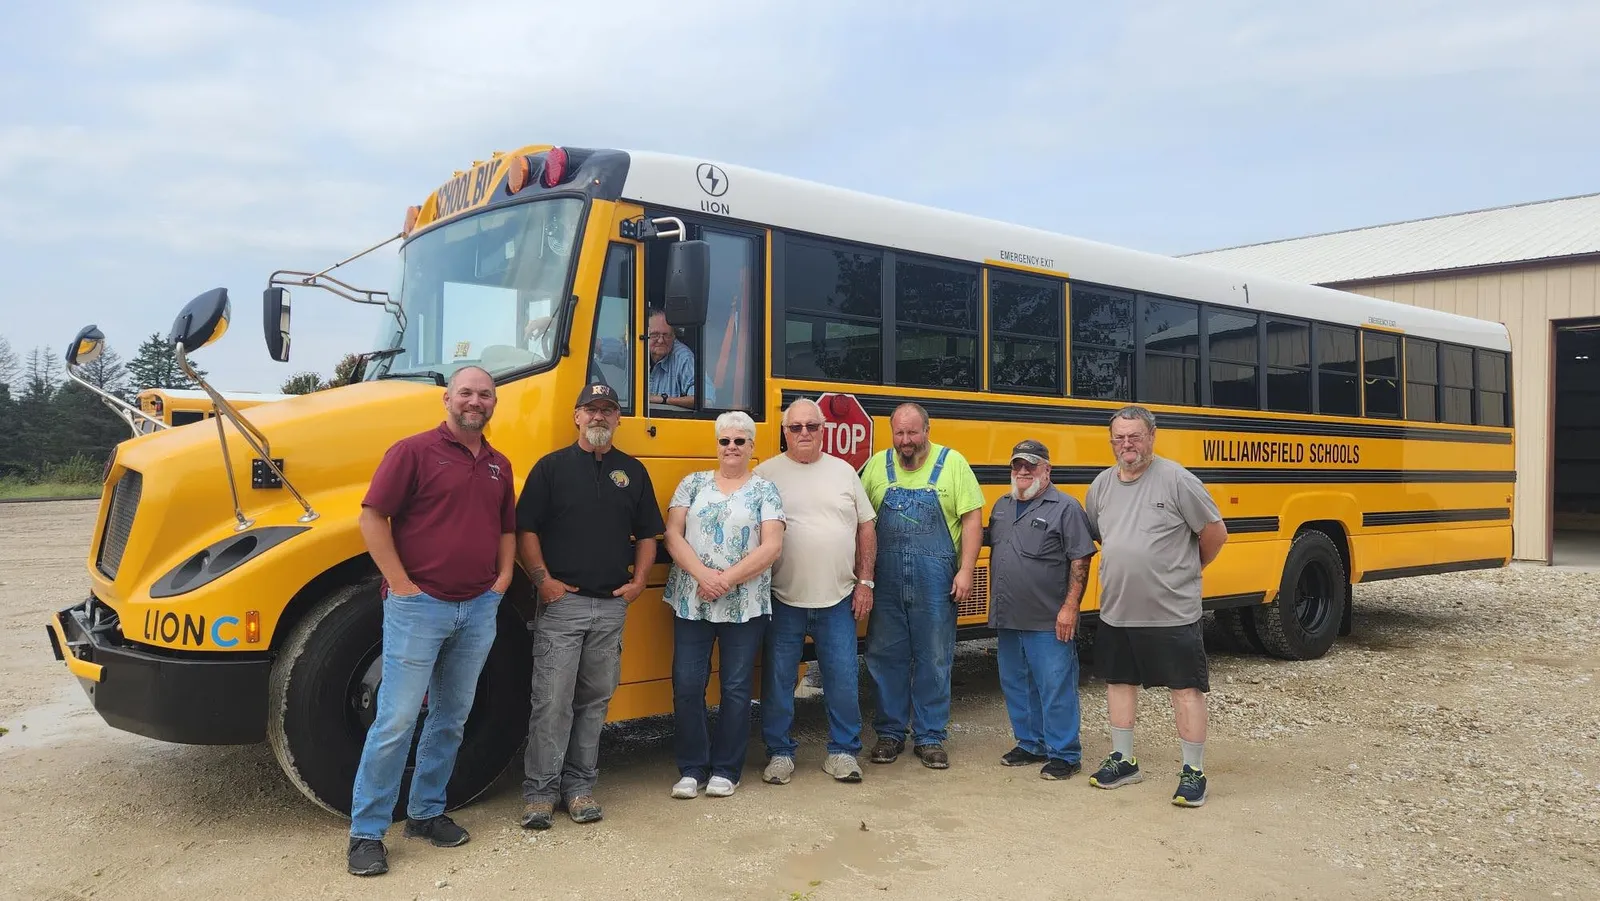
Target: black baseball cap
[[1032, 451], [596, 391]]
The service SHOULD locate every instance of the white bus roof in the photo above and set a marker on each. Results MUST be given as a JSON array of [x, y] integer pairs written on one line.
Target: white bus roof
[[779, 201], [197, 394]]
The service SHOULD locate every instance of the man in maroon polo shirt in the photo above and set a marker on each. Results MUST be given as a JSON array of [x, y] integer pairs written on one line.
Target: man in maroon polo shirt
[[440, 522]]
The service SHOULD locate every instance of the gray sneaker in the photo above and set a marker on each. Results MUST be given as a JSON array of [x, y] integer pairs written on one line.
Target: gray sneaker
[[779, 769], [842, 767]]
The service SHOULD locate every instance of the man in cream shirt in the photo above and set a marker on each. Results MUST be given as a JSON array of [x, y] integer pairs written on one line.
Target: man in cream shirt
[[822, 587]]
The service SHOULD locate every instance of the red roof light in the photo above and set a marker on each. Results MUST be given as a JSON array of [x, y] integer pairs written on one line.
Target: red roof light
[[555, 167]]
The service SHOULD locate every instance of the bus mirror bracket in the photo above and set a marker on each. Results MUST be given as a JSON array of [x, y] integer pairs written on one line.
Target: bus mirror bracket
[[290, 278], [87, 347], [641, 229], [203, 321]]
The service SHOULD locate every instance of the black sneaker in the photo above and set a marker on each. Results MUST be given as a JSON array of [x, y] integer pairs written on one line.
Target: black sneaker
[[441, 831], [887, 750], [1060, 769], [367, 857], [1019, 757], [1115, 772], [1191, 788]]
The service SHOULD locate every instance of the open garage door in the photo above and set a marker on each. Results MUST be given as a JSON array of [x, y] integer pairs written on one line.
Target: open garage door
[[1575, 482]]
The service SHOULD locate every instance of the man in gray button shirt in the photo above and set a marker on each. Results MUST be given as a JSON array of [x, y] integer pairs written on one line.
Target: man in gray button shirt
[[1038, 565], [1158, 528]]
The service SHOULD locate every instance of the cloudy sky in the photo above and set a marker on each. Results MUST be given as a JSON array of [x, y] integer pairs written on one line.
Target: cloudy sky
[[153, 149]]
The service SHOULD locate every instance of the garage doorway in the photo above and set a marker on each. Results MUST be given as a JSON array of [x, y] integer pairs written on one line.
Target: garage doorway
[[1575, 463]]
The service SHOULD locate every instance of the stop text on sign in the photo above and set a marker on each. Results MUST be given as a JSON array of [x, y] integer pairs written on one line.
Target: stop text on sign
[[842, 439]]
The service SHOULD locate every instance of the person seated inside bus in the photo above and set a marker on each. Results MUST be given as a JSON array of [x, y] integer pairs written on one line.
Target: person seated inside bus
[[671, 365]]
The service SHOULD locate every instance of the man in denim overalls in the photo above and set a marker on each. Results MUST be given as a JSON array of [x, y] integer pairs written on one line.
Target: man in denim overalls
[[930, 527]]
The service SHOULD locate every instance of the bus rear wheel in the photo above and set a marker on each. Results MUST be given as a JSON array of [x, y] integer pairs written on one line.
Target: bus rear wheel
[[322, 696], [1304, 621]]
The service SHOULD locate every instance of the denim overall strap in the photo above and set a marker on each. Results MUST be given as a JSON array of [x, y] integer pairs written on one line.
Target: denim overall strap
[[938, 466]]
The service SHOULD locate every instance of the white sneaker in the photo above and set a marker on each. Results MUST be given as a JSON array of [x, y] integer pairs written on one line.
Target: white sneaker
[[842, 767], [779, 769], [719, 787], [686, 788]]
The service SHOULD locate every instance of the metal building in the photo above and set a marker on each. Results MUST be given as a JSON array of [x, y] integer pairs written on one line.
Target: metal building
[[1534, 267]]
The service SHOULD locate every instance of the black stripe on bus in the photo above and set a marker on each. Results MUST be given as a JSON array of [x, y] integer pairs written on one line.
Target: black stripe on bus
[[1245, 525], [1226, 601], [1421, 517], [1017, 410], [1431, 569], [1239, 475]]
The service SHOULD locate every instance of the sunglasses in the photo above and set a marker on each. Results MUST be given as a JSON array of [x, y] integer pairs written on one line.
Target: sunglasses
[[798, 427], [739, 442]]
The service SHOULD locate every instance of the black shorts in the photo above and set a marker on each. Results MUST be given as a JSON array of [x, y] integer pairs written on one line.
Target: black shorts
[[1152, 656]]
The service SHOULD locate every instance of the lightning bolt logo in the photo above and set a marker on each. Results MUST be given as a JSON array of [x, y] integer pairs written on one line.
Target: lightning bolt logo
[[713, 180]]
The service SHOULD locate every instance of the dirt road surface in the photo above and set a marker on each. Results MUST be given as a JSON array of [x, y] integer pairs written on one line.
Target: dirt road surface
[[1449, 748]]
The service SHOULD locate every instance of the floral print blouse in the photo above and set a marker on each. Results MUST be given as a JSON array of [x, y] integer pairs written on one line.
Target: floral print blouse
[[722, 529]]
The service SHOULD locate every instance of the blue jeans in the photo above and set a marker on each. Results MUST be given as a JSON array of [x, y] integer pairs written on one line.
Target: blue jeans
[[911, 643], [1039, 677], [833, 632], [701, 752], [433, 648]]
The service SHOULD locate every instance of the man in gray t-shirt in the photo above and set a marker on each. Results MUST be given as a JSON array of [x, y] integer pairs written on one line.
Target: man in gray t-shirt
[[1038, 566], [1158, 528]]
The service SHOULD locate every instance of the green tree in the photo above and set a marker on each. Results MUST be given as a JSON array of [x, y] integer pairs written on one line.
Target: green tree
[[345, 372], [11, 457], [10, 368], [156, 366], [108, 373], [304, 383], [37, 419]]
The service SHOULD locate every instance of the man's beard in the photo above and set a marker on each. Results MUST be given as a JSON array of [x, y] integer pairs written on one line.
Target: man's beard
[[1143, 461], [464, 424], [597, 435], [910, 461], [1030, 494]]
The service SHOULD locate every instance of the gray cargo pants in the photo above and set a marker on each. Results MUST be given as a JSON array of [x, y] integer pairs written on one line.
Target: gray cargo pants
[[577, 662]]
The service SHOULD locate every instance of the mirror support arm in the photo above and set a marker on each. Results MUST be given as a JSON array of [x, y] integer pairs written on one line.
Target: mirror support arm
[[250, 434], [124, 410], [289, 278]]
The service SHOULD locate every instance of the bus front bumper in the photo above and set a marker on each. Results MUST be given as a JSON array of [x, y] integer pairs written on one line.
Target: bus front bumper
[[215, 699]]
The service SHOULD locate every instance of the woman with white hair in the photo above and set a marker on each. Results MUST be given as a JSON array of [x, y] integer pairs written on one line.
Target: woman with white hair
[[724, 531]]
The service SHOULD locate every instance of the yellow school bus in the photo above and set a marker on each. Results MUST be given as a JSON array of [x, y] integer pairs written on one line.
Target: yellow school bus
[[230, 598], [181, 406]]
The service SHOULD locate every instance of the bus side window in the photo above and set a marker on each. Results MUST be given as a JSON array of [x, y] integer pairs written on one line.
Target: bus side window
[[727, 378]]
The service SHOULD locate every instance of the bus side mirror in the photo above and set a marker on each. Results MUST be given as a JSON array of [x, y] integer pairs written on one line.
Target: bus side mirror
[[203, 321], [86, 348], [688, 283], [275, 322]]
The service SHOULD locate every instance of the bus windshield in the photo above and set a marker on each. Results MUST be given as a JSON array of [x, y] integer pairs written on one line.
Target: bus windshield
[[484, 291]]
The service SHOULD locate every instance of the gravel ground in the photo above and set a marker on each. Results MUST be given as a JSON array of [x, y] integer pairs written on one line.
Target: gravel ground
[[1449, 748]]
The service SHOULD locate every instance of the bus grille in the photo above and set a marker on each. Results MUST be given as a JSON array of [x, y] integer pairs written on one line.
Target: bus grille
[[977, 602], [119, 522]]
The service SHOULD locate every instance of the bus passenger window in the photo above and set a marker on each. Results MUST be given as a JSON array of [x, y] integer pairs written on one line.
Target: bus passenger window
[[833, 312], [1169, 330], [1235, 378], [1422, 380], [1024, 333], [1493, 389], [1288, 366], [1338, 371], [1455, 393], [1382, 374], [936, 325], [1102, 344]]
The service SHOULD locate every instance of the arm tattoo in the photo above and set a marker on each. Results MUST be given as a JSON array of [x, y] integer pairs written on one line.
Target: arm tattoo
[[1079, 576], [539, 576]]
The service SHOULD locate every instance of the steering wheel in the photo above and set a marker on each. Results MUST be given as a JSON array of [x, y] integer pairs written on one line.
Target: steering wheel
[[541, 335]]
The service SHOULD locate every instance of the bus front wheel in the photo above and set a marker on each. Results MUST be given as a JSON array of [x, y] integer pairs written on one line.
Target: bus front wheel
[[1304, 621], [323, 693]]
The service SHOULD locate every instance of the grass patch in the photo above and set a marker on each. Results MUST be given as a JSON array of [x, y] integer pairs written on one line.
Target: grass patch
[[11, 489]]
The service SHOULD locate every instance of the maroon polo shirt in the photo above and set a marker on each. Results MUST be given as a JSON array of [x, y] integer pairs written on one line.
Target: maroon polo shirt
[[447, 511]]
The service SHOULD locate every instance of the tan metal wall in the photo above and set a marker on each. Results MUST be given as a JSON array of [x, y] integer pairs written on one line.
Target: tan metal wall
[[1527, 300]]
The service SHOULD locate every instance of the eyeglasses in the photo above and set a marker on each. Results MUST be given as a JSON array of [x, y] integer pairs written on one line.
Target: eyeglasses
[[1022, 466], [738, 442], [659, 336], [1127, 439], [796, 428]]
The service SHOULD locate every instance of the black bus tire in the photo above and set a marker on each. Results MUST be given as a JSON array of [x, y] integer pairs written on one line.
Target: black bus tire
[[1239, 625], [315, 703], [1303, 622]]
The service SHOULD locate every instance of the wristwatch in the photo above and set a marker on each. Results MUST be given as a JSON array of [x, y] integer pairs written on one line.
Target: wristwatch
[[867, 582]]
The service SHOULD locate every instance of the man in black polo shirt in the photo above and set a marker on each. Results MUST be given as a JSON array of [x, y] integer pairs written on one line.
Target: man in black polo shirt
[[579, 509]]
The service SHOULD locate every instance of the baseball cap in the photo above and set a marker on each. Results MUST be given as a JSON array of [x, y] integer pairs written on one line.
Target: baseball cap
[[1032, 451], [596, 391]]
